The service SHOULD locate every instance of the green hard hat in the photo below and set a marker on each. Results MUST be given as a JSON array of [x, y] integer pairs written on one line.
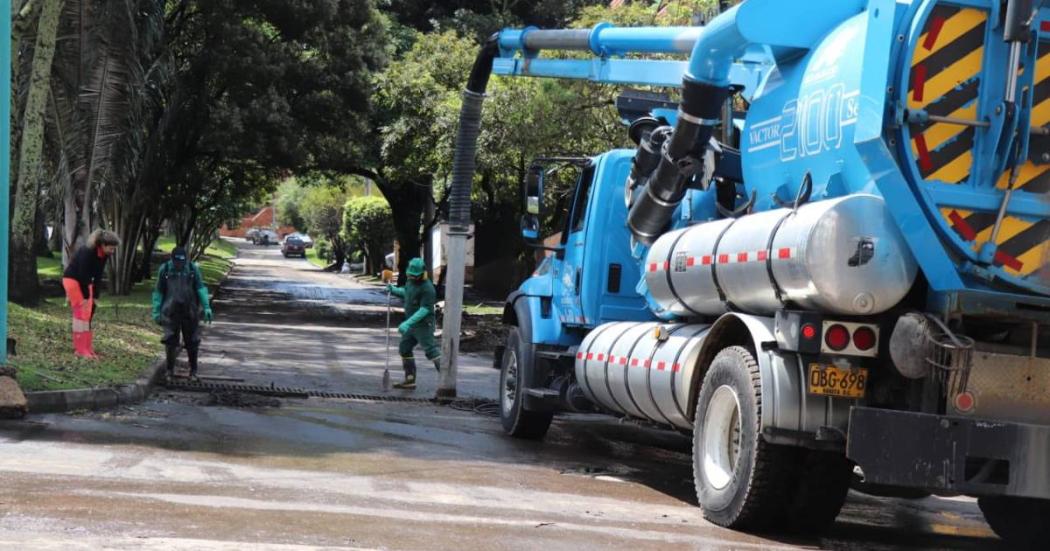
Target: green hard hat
[[416, 267]]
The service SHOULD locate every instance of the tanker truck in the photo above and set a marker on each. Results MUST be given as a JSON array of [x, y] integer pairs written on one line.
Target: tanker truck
[[827, 258]]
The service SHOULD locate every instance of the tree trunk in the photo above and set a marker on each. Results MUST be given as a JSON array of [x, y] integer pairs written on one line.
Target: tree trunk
[[149, 243], [407, 210], [41, 248], [54, 243], [25, 286]]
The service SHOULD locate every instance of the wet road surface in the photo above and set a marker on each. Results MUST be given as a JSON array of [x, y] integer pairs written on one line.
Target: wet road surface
[[182, 471]]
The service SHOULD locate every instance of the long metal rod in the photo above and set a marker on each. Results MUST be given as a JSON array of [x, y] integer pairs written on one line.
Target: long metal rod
[[5, 165]]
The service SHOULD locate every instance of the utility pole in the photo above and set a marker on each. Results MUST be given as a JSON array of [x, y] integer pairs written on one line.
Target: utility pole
[[5, 166]]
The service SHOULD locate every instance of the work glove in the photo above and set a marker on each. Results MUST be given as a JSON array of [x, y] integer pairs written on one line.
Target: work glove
[[207, 315], [404, 328]]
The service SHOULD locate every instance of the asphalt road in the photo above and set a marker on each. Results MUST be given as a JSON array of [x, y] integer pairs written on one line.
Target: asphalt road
[[199, 471]]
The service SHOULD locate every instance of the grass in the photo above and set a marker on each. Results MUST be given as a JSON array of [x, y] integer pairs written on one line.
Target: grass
[[49, 268], [483, 309], [125, 335], [311, 256]]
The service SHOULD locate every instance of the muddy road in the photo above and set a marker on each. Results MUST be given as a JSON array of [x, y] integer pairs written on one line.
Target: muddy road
[[198, 471]]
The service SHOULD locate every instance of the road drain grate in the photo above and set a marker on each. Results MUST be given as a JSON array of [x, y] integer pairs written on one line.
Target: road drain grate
[[479, 406]]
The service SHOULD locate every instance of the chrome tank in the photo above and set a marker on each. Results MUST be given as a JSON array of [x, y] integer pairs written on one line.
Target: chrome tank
[[840, 256], [643, 370]]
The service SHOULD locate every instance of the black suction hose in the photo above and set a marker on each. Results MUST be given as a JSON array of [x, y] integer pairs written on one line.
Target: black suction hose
[[463, 160]]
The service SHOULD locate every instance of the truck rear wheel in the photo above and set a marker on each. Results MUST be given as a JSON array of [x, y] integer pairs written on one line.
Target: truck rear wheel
[[518, 361], [1020, 521], [741, 480]]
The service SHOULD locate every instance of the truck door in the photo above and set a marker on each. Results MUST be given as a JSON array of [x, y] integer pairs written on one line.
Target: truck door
[[570, 269]]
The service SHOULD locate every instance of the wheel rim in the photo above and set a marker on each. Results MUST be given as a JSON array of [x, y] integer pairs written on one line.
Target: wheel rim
[[510, 384], [721, 437]]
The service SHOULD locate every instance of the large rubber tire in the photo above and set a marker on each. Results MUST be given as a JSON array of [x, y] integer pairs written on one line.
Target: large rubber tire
[[517, 421], [742, 482], [1021, 522]]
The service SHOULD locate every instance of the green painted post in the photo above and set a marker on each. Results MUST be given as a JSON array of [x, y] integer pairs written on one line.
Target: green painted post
[[5, 166]]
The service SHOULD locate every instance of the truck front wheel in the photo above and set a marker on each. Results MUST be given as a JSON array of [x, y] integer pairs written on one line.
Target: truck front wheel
[[517, 363], [1020, 521], [741, 481]]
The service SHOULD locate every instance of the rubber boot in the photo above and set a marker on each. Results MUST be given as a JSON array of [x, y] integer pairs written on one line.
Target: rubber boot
[[437, 364], [192, 353], [88, 346], [171, 352], [79, 347], [409, 365]]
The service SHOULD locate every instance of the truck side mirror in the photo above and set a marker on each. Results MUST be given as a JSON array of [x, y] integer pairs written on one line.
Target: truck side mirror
[[534, 190], [530, 228]]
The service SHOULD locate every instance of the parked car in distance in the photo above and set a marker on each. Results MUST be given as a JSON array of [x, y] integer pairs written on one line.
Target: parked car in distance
[[306, 239], [265, 237], [293, 246], [250, 234]]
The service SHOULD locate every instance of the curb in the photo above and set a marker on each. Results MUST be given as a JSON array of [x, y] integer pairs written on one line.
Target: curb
[[61, 401]]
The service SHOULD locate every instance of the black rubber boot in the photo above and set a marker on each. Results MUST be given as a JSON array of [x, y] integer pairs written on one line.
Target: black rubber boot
[[409, 365], [171, 352], [437, 364], [192, 353]]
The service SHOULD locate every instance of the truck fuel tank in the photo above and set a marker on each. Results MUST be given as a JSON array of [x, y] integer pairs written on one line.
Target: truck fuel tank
[[840, 256]]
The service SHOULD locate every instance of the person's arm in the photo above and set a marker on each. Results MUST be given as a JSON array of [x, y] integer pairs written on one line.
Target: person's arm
[[426, 306], [159, 289], [396, 291], [202, 293]]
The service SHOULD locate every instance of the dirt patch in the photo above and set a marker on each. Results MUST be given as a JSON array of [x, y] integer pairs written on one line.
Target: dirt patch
[[482, 334]]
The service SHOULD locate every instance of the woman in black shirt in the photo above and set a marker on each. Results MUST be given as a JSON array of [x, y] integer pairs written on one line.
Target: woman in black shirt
[[82, 280]]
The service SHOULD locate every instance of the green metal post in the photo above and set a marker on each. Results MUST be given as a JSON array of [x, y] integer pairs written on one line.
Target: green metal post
[[5, 165]]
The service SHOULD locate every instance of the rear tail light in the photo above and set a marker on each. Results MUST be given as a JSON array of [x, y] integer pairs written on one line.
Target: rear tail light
[[864, 338], [836, 337], [809, 332]]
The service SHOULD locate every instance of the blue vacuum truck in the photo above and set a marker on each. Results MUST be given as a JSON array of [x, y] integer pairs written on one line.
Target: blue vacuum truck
[[829, 252]]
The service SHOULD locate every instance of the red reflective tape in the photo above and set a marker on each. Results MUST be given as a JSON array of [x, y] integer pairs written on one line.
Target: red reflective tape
[[924, 153], [763, 256], [723, 259], [707, 260], [935, 30], [648, 364], [962, 226], [690, 262], [784, 253], [1045, 26], [652, 267], [676, 368], [623, 360], [667, 265], [661, 365], [590, 355], [579, 355], [741, 257], [918, 78], [1009, 261], [634, 362], [601, 357]]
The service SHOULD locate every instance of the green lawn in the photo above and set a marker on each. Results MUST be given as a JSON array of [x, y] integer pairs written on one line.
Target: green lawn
[[49, 268], [311, 256], [125, 335]]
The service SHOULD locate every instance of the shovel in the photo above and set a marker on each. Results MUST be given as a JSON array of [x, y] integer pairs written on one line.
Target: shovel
[[386, 369]]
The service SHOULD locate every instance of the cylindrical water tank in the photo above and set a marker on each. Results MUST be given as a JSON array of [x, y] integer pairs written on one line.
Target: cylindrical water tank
[[642, 370], [840, 256]]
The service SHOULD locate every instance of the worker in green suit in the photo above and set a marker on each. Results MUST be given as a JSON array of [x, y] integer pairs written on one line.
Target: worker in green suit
[[418, 328], [180, 299]]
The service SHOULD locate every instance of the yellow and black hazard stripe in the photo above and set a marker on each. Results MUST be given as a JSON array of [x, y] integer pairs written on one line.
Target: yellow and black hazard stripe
[[1034, 175], [945, 81]]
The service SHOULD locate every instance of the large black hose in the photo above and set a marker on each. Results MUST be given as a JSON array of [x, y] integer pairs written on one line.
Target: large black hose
[[680, 160], [463, 160]]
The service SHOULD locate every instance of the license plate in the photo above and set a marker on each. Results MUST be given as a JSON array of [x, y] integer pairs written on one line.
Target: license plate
[[828, 380]]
